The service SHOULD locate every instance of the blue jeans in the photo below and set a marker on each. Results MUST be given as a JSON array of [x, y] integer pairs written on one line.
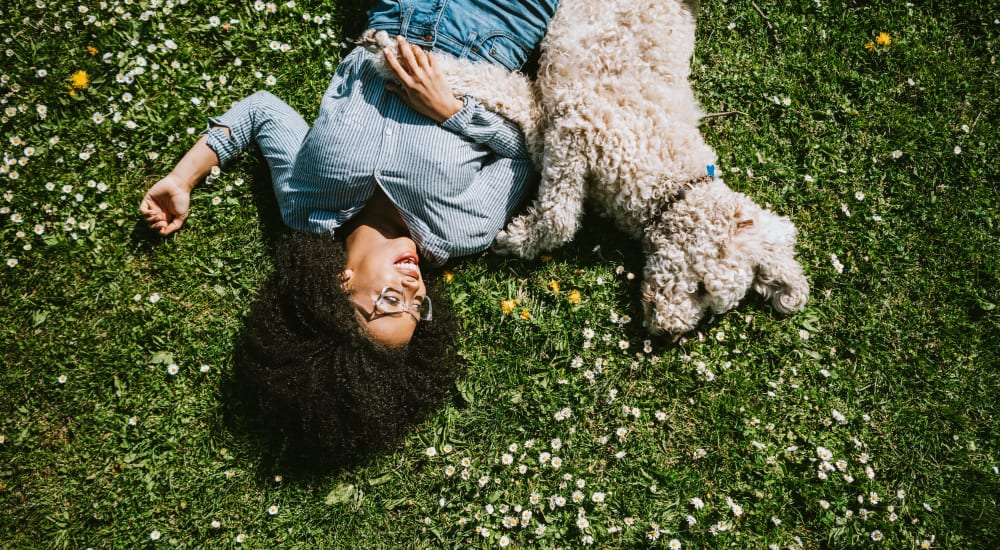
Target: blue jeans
[[494, 31]]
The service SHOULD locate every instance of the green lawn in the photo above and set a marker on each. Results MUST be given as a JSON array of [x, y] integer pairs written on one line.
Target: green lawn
[[868, 420]]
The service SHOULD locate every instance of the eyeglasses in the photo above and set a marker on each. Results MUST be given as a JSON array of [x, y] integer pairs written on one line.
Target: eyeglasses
[[392, 302]]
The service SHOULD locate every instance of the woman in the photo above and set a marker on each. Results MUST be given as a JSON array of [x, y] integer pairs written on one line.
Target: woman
[[398, 173]]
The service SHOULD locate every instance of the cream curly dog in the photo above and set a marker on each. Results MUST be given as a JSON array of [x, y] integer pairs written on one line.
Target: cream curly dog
[[612, 119], [621, 132]]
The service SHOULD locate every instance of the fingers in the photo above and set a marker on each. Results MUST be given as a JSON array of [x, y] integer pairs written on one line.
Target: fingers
[[398, 69]]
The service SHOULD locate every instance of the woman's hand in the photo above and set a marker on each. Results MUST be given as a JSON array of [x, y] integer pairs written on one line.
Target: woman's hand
[[423, 86], [165, 206]]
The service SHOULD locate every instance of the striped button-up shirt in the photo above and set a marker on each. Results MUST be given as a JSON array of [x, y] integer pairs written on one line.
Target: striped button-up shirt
[[455, 184]]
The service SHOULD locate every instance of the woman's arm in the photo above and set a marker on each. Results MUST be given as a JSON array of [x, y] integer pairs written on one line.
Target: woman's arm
[[425, 89], [421, 85]]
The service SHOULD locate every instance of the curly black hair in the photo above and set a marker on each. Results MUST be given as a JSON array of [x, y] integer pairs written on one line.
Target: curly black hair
[[321, 393]]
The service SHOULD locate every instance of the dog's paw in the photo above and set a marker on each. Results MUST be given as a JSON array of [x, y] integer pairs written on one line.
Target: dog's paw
[[374, 41], [509, 243]]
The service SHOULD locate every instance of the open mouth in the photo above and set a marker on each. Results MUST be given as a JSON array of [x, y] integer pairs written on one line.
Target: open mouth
[[408, 264]]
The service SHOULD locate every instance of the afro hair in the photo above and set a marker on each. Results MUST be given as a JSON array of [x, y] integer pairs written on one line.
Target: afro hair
[[321, 393]]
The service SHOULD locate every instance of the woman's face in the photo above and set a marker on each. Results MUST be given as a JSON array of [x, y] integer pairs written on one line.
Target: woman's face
[[387, 268]]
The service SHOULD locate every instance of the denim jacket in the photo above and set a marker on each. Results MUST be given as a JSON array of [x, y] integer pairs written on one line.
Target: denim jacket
[[494, 31]]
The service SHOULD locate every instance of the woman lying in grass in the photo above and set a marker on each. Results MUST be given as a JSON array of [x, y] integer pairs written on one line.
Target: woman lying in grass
[[341, 352]]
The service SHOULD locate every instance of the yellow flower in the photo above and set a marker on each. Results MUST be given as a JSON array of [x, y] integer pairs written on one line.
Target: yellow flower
[[79, 80], [883, 39], [91, 50], [869, 45], [554, 285], [525, 314], [574, 297], [448, 276], [546, 259], [508, 306]]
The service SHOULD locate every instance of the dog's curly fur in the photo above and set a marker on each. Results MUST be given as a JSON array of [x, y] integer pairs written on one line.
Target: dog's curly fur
[[612, 121], [621, 132]]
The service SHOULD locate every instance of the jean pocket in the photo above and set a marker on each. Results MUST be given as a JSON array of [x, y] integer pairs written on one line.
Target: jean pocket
[[503, 48]]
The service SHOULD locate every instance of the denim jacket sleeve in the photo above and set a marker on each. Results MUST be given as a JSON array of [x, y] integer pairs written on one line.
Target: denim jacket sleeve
[[485, 127]]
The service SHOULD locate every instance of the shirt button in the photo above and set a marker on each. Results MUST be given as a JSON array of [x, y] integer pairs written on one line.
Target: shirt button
[[388, 131]]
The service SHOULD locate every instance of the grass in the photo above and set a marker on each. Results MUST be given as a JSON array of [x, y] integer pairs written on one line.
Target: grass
[[885, 158]]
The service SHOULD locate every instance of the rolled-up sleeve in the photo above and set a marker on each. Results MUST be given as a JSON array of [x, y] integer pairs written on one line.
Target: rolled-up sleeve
[[485, 127]]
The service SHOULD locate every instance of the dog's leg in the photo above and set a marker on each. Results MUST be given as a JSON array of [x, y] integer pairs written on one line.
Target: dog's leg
[[554, 217]]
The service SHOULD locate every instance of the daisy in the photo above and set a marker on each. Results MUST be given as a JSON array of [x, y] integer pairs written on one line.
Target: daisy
[[240, 538], [172, 369], [272, 510], [62, 380], [154, 535]]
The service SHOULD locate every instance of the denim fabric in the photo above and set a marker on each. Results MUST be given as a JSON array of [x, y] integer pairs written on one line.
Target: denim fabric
[[494, 31]]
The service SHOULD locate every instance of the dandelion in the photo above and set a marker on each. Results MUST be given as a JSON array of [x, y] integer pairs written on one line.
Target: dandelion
[[554, 286], [508, 306], [574, 297], [79, 80], [525, 314], [883, 39]]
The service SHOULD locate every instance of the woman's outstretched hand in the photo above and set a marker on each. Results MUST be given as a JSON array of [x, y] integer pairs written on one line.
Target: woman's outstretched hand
[[422, 85], [166, 205]]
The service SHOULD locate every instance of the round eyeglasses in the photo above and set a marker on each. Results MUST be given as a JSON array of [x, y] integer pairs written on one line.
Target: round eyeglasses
[[392, 302]]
